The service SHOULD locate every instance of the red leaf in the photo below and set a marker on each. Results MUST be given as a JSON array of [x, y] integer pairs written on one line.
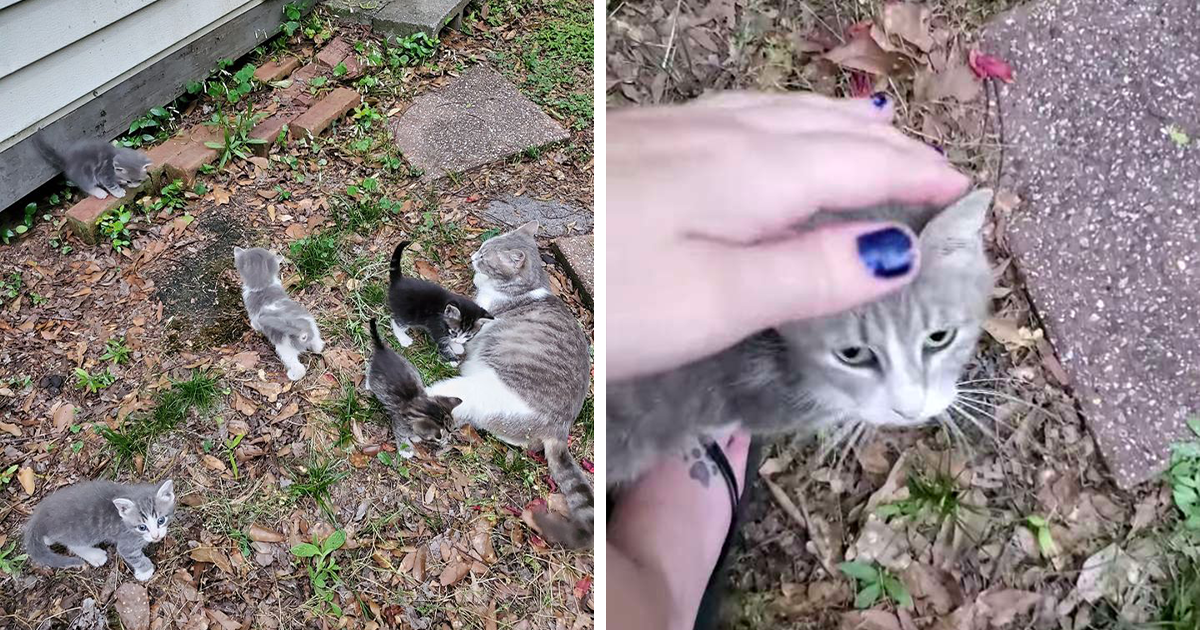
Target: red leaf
[[859, 28], [582, 587], [587, 465], [860, 84], [551, 483], [513, 510], [986, 66]]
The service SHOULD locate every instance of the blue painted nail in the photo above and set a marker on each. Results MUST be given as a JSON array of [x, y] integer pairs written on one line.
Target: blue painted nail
[[888, 253], [937, 148], [879, 100]]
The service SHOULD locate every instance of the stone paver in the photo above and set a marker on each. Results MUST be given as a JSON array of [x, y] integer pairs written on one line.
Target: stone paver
[[401, 17], [556, 219], [1108, 236], [475, 119], [575, 254]]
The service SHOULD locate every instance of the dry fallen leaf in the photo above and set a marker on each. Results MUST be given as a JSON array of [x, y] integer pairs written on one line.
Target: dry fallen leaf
[[211, 555], [245, 360], [986, 66], [270, 390], [427, 271], [25, 476], [220, 196], [956, 81], [454, 572], [869, 620], [1007, 604], [64, 415], [11, 429], [909, 22], [481, 540], [213, 463], [1010, 333], [243, 404], [863, 53], [258, 533]]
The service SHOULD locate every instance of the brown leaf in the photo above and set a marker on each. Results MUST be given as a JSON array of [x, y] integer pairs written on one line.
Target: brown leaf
[[1007, 604], [862, 53], [295, 231], [909, 22], [427, 271], [213, 463], [64, 415], [10, 429], [481, 540], [343, 359], [243, 404], [245, 360], [869, 620], [582, 587], [220, 196], [288, 411], [1010, 333], [430, 494], [956, 81], [211, 555], [133, 606], [258, 533], [225, 622], [25, 476], [874, 458], [270, 390], [454, 572]]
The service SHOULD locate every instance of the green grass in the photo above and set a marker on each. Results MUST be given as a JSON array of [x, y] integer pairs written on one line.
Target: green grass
[[171, 407], [587, 420], [1181, 610], [557, 58], [347, 407], [314, 480], [364, 207], [314, 255], [935, 494], [517, 465]]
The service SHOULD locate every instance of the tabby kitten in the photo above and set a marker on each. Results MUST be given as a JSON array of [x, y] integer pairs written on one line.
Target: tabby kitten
[[396, 384], [84, 515], [525, 375], [450, 319], [98, 167], [287, 325], [894, 362]]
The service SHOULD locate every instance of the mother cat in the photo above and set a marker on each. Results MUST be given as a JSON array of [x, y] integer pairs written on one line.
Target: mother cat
[[525, 374], [893, 362]]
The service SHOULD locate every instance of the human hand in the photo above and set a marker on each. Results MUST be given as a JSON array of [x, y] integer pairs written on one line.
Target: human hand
[[700, 202]]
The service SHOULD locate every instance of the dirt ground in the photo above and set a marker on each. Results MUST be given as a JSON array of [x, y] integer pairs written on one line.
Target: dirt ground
[[139, 365], [1002, 516]]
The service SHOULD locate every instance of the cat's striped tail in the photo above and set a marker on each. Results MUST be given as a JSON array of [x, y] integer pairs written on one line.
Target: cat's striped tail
[[395, 273], [41, 553], [575, 531]]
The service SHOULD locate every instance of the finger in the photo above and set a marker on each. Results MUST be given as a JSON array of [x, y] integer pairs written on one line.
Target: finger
[[877, 107], [782, 120], [818, 273]]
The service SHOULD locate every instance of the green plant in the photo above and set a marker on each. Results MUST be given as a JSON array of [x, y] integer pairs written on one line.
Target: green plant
[[23, 226], [345, 409], [314, 480], [410, 50], [115, 226], [170, 198], [235, 135], [9, 563], [936, 494], [395, 463], [364, 207], [147, 129], [93, 383], [10, 288], [291, 19], [134, 437], [314, 255], [282, 193], [222, 83], [875, 582], [365, 116], [1184, 476], [340, 70], [436, 234], [558, 58], [115, 351], [230, 445], [1177, 135], [1041, 531], [1181, 610], [323, 571], [6, 475]]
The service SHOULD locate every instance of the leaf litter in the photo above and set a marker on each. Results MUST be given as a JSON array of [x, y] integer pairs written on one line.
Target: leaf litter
[[1039, 536]]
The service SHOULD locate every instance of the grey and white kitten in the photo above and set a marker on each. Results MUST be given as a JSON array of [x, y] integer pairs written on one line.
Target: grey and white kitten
[[525, 375], [894, 362], [82, 516], [396, 384], [287, 325], [98, 167]]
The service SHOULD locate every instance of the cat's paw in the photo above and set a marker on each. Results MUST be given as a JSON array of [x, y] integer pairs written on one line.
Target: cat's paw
[[454, 363], [142, 576], [95, 557], [317, 346], [405, 340], [119, 193], [297, 373], [405, 449], [100, 194]]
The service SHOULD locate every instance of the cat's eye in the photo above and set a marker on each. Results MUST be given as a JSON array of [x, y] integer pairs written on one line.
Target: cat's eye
[[939, 339], [142, 528], [855, 355], [162, 519]]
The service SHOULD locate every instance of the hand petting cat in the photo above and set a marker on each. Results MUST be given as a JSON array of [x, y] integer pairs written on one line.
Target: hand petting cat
[[703, 196]]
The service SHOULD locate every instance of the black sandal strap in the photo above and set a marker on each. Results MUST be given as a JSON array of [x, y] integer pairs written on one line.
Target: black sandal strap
[[718, 456]]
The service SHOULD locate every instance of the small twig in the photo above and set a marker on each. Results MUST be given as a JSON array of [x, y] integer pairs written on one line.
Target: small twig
[[671, 38], [838, 35]]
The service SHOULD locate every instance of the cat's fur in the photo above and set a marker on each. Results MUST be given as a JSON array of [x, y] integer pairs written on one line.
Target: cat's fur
[[97, 167], [396, 384], [450, 319], [287, 325], [525, 375], [82, 516], [790, 378]]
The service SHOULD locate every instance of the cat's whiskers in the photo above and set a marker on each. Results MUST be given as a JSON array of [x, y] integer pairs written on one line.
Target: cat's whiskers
[[1007, 397], [974, 405], [979, 424], [955, 433], [844, 429], [850, 443]]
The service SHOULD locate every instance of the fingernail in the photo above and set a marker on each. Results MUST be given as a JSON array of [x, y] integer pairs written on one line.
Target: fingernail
[[937, 148], [888, 253], [879, 100]]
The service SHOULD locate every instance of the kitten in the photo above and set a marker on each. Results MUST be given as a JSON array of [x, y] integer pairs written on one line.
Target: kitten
[[84, 515], [525, 376], [396, 384], [288, 326], [450, 319], [894, 362], [97, 167]]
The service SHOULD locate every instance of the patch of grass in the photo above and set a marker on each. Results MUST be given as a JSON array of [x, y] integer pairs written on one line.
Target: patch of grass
[[875, 582], [93, 383], [346, 408], [557, 58], [587, 420], [364, 207], [323, 571], [10, 562], [1181, 610], [115, 351], [171, 407], [235, 135], [517, 465], [424, 356], [314, 255], [314, 480], [934, 494], [436, 234]]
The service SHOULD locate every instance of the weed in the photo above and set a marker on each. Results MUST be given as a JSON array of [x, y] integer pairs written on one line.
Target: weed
[[9, 563], [170, 198], [938, 494], [6, 475], [429, 362], [435, 234], [231, 444], [10, 288], [558, 60], [316, 254], [1177, 135], [282, 193], [171, 407], [345, 409], [314, 481], [516, 465], [1181, 610], [323, 570], [587, 418], [23, 226], [233, 86], [92, 383], [340, 69], [149, 128], [291, 19], [410, 50], [875, 582], [364, 207], [366, 116], [235, 135], [115, 351], [1041, 531], [115, 226], [395, 463], [1184, 476]]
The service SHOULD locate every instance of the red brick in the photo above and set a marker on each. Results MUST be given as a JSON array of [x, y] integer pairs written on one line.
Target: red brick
[[300, 80], [269, 130], [325, 111], [276, 70], [354, 69], [84, 217], [185, 164], [334, 52]]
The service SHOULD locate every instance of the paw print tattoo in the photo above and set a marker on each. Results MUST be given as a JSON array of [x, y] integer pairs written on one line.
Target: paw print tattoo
[[700, 466]]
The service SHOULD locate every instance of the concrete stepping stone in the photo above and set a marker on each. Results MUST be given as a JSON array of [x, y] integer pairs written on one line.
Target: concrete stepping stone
[[575, 255], [475, 119], [556, 219], [402, 17], [1108, 234]]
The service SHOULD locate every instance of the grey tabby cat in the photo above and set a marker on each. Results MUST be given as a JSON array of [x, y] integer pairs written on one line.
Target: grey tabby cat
[[98, 167], [396, 384], [894, 362], [82, 516], [525, 374], [287, 325]]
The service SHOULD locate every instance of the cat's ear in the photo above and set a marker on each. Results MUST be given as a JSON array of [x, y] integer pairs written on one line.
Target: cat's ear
[[448, 402], [957, 228], [484, 315], [237, 252], [166, 492], [452, 313], [529, 229], [517, 257], [279, 258], [125, 507]]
